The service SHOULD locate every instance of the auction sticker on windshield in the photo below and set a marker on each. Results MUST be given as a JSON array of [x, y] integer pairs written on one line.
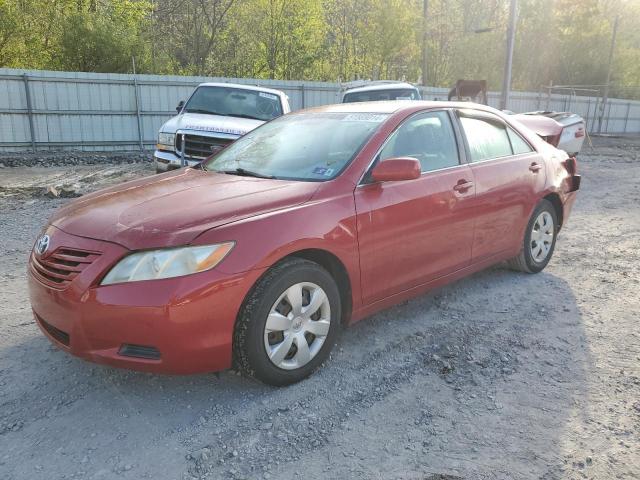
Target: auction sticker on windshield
[[270, 96], [364, 117]]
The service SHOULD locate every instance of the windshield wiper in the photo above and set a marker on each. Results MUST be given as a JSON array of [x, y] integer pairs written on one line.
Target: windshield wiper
[[246, 173], [200, 110], [242, 115]]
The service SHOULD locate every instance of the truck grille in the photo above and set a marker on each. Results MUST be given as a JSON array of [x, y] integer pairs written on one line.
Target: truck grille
[[62, 266], [200, 146]]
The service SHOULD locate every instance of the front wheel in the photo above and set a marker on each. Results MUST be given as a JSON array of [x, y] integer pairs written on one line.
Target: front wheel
[[288, 323], [539, 240]]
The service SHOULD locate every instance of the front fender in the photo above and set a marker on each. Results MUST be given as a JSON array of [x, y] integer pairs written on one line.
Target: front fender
[[325, 224]]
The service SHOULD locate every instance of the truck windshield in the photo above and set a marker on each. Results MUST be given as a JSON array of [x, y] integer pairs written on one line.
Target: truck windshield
[[378, 95], [303, 146], [234, 102]]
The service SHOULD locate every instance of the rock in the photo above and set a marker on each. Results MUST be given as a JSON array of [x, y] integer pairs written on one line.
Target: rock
[[266, 426], [589, 460], [69, 191], [51, 192]]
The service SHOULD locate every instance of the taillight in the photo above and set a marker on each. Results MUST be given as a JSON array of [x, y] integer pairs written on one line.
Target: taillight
[[571, 164], [580, 133]]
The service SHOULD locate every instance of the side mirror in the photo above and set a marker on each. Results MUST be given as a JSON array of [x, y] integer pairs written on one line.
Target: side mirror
[[180, 105], [396, 169]]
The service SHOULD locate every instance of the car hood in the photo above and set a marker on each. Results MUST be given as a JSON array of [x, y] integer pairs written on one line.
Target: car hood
[[172, 209], [210, 124]]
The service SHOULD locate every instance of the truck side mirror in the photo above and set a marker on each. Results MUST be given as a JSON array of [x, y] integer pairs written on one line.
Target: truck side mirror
[[180, 105]]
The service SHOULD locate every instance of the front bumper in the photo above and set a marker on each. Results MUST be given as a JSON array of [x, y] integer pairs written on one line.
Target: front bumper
[[188, 321], [166, 161]]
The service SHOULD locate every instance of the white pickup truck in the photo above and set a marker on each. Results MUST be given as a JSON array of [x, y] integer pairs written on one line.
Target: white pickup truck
[[215, 115]]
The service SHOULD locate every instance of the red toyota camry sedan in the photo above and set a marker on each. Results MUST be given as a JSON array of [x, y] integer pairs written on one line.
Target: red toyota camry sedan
[[313, 221]]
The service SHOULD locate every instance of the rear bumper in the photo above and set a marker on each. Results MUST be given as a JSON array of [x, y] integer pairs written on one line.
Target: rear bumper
[[569, 198], [175, 326], [574, 183]]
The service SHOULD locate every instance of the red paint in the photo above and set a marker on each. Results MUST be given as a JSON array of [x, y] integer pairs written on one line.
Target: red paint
[[398, 169], [395, 239], [544, 126]]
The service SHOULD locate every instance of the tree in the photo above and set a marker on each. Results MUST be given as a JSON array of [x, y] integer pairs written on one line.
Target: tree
[[564, 41], [9, 29]]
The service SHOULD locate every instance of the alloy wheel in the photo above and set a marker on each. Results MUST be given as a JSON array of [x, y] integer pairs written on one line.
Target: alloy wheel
[[297, 326]]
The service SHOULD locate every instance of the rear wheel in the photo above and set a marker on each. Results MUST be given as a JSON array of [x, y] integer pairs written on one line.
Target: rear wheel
[[288, 323], [539, 240]]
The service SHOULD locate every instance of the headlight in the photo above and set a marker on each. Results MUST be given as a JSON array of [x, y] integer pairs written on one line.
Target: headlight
[[166, 141], [167, 263]]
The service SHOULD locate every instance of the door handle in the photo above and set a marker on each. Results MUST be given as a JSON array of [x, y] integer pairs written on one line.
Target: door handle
[[462, 186], [535, 168]]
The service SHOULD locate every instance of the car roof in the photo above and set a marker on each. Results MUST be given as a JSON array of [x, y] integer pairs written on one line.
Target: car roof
[[393, 106], [255, 88], [381, 86]]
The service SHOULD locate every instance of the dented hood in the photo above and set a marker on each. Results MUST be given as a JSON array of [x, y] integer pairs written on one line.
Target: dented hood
[[172, 209]]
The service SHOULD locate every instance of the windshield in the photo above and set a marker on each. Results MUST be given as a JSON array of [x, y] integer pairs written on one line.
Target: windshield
[[305, 146], [234, 102], [378, 95]]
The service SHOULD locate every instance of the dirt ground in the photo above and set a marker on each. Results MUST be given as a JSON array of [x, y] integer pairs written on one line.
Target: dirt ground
[[499, 376]]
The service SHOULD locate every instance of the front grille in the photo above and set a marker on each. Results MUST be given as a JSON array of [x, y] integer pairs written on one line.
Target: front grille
[[200, 146], [139, 351], [62, 266], [56, 333]]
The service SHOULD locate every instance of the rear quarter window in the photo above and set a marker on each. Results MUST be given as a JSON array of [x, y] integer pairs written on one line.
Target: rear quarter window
[[518, 144]]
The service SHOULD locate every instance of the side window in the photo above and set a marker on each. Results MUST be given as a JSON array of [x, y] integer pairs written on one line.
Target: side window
[[428, 137], [517, 143], [486, 139]]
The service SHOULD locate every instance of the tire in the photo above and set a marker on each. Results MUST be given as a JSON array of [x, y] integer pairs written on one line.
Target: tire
[[268, 331], [537, 248]]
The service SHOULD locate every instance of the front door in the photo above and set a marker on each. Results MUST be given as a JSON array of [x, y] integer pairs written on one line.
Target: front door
[[411, 232]]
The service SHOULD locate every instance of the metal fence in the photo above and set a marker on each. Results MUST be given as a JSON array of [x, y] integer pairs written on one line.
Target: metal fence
[[43, 110]]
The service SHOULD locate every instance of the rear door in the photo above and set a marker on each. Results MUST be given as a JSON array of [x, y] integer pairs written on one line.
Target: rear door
[[410, 232], [509, 177]]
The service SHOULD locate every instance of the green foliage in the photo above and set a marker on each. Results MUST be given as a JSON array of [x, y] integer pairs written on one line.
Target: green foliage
[[563, 41], [92, 43]]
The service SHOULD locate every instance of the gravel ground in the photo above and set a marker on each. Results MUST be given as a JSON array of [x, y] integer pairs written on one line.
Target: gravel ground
[[71, 158], [499, 376]]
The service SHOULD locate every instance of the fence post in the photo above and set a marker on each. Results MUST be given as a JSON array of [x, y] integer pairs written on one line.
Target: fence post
[[595, 115], [27, 93], [606, 128], [135, 88], [302, 95], [626, 118]]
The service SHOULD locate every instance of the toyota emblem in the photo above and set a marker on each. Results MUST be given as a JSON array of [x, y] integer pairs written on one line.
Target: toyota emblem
[[42, 244]]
